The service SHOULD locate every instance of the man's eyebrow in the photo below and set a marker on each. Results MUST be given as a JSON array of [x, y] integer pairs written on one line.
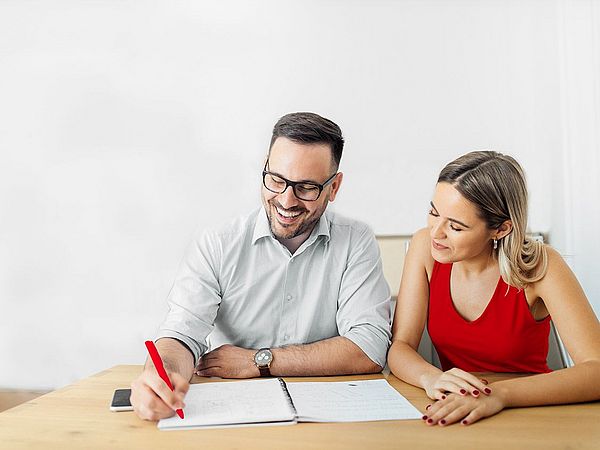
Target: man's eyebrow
[[450, 218], [300, 181]]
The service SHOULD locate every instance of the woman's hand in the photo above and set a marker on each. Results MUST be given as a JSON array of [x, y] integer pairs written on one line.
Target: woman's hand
[[463, 408], [457, 381]]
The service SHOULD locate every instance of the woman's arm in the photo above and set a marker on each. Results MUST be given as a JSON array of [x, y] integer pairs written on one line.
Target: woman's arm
[[580, 331], [409, 321]]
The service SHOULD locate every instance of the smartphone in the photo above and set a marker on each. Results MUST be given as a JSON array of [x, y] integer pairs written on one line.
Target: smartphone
[[120, 400]]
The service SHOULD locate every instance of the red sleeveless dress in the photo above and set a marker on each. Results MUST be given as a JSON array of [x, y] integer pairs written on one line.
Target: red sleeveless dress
[[505, 338]]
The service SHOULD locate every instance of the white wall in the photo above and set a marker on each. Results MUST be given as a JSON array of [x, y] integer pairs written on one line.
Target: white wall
[[577, 185], [125, 126]]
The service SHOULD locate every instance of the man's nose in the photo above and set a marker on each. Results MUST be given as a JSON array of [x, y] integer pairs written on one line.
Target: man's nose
[[287, 198]]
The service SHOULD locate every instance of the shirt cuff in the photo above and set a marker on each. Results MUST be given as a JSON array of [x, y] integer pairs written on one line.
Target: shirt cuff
[[193, 346], [374, 347]]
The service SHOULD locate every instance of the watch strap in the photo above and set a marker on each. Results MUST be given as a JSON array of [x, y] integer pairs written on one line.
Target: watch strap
[[264, 371]]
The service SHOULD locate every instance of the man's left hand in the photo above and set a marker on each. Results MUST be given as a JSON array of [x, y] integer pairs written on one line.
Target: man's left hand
[[228, 361]]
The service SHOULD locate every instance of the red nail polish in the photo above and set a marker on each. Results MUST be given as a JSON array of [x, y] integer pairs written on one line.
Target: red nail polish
[[487, 390], [429, 420], [475, 392], [484, 381], [464, 422], [424, 417], [427, 407], [463, 392], [443, 422]]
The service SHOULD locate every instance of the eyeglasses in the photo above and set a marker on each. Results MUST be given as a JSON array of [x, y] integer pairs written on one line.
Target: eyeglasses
[[303, 190]]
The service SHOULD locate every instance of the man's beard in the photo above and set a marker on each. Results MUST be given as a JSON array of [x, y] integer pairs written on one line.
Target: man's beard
[[293, 230]]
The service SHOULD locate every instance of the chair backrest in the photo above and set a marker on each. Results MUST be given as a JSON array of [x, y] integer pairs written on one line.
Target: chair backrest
[[558, 357], [393, 249]]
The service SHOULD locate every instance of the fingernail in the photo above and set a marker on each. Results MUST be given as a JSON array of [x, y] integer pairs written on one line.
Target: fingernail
[[443, 397], [475, 392], [424, 417], [464, 422], [487, 390], [484, 381], [427, 407], [442, 422], [463, 392], [429, 420]]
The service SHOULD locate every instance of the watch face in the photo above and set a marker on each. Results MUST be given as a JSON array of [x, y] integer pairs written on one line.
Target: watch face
[[263, 357]]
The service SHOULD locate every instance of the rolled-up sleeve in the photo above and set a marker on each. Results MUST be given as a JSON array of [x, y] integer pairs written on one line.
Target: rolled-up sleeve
[[195, 296], [364, 308]]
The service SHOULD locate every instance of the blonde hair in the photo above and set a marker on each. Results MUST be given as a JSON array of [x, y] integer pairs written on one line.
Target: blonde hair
[[495, 184]]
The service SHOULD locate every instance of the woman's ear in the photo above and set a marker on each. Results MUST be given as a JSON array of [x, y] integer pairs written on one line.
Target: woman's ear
[[504, 230]]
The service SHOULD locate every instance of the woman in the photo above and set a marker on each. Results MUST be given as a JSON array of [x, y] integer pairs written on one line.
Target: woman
[[487, 291]]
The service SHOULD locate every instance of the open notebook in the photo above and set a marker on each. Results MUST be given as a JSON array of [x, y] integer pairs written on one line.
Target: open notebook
[[274, 402]]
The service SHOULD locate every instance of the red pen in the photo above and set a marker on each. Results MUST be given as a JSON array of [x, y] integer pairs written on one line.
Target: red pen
[[160, 368]]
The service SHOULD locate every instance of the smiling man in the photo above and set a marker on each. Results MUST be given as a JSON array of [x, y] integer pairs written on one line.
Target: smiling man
[[289, 290]]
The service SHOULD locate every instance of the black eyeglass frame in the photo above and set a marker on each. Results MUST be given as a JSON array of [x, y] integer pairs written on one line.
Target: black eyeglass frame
[[293, 184]]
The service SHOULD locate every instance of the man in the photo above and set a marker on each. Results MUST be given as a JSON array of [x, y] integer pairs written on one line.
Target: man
[[287, 291]]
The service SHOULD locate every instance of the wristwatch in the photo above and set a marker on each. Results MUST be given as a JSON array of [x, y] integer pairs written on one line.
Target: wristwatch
[[263, 359]]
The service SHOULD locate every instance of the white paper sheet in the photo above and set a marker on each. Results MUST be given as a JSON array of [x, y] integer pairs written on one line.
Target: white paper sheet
[[353, 401], [233, 403]]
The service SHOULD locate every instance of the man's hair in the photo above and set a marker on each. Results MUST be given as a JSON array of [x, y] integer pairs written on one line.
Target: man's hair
[[310, 128]]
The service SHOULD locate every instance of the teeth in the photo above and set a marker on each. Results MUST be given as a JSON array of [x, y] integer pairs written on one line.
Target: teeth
[[288, 215]]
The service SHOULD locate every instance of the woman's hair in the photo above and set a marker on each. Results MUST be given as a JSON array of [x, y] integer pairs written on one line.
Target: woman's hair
[[495, 184]]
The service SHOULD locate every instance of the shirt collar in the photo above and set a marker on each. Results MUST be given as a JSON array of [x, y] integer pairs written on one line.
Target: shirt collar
[[262, 228]]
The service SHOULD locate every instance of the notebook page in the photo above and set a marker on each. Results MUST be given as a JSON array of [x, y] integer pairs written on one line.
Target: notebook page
[[353, 401], [233, 403]]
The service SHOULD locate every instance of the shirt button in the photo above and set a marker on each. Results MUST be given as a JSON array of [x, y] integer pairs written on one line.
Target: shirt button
[[289, 298], [286, 337]]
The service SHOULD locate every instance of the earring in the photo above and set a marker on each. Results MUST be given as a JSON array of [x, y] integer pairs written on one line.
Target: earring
[[495, 244]]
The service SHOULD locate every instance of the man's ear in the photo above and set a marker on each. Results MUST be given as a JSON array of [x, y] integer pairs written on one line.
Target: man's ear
[[335, 185], [504, 230]]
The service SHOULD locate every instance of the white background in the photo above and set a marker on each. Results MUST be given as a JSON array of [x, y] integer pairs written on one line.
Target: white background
[[125, 126]]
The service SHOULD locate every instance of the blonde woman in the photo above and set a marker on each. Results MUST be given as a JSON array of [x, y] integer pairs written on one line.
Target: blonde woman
[[487, 292]]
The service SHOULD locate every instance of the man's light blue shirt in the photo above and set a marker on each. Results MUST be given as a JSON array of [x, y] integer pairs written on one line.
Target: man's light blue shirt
[[239, 285]]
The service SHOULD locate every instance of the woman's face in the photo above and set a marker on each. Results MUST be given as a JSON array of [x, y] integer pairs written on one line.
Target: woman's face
[[457, 232]]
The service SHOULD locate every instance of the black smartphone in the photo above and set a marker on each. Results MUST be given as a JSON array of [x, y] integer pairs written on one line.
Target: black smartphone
[[120, 400]]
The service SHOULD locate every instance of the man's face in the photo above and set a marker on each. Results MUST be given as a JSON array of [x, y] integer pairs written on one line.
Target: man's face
[[290, 217]]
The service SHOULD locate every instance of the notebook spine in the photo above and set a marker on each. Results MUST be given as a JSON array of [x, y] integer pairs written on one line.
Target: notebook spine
[[288, 396]]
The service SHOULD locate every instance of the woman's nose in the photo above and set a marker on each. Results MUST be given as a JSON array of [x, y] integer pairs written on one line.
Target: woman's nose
[[437, 230]]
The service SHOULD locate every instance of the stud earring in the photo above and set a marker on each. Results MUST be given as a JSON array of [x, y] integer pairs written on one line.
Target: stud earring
[[495, 244]]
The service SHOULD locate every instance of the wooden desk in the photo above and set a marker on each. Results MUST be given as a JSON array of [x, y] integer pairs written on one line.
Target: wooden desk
[[77, 416]]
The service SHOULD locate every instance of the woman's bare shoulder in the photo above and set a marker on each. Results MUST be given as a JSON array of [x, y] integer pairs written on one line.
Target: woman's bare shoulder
[[557, 272], [420, 249]]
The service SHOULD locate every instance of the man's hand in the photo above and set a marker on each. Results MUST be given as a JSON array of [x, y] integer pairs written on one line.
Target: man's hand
[[228, 361], [152, 399]]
